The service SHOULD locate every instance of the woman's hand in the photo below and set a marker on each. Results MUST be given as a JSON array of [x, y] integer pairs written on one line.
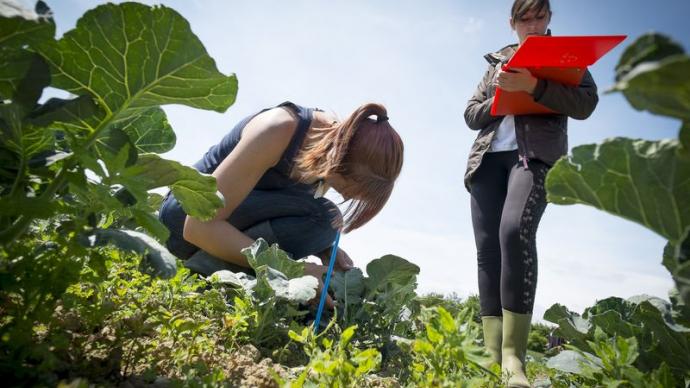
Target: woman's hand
[[343, 262], [516, 80], [317, 271]]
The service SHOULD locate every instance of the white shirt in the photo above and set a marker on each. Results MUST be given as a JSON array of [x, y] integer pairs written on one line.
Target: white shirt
[[504, 139]]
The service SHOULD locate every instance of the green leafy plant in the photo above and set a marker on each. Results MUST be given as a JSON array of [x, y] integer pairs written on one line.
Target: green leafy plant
[[538, 339], [126, 323], [88, 295], [447, 351], [612, 365], [452, 303], [333, 363], [379, 302], [645, 182], [275, 297], [646, 320], [75, 172], [642, 181], [381, 305], [122, 62]]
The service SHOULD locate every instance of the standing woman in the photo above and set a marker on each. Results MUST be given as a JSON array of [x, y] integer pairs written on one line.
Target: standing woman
[[505, 176], [273, 169]]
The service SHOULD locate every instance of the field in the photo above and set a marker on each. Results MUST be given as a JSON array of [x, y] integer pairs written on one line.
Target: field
[[89, 295]]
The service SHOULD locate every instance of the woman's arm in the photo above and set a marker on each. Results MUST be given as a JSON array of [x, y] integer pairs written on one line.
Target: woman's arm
[[263, 141], [577, 102], [478, 111]]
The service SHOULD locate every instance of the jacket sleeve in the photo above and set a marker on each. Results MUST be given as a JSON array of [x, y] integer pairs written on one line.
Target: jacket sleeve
[[577, 102], [478, 111]]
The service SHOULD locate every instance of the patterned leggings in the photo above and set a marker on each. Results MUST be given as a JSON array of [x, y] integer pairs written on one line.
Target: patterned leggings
[[508, 201]]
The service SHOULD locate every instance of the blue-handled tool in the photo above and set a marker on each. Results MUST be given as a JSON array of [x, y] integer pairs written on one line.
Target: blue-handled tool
[[324, 291]]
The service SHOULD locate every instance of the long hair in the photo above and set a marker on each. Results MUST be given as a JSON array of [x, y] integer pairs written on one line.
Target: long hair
[[365, 150]]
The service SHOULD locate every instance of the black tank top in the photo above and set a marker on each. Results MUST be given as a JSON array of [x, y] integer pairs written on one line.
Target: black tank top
[[276, 177]]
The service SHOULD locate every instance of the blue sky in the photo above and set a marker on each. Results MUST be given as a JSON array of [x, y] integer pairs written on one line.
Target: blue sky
[[423, 61]]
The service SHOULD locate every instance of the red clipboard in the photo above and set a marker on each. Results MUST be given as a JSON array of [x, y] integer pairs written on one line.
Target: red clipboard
[[558, 58]]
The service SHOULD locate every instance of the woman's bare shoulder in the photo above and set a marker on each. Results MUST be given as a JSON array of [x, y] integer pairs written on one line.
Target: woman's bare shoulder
[[324, 119], [275, 125]]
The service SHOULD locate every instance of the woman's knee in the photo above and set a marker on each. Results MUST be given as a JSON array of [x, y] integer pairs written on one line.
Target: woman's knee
[[301, 236], [325, 220], [510, 234]]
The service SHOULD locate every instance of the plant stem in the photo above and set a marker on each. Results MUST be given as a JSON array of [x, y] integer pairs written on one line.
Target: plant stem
[[23, 221], [18, 178]]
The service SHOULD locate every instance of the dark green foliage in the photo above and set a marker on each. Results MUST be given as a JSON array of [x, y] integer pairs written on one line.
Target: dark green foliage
[[643, 341]]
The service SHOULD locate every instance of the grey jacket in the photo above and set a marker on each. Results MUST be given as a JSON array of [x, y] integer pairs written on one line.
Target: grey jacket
[[543, 137]]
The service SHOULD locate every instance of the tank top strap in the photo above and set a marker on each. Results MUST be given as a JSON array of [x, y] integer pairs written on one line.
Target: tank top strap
[[305, 116]]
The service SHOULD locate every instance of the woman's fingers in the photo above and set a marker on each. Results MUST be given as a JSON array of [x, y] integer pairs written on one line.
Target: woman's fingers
[[517, 79], [343, 262], [503, 80]]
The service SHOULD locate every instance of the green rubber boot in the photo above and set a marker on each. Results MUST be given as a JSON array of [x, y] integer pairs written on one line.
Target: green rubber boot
[[515, 332], [493, 337]]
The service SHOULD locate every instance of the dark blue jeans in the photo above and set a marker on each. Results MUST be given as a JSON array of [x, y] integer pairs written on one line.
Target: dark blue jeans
[[300, 224]]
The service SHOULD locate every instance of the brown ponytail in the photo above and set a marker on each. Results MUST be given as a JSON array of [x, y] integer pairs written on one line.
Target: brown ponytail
[[367, 151]]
